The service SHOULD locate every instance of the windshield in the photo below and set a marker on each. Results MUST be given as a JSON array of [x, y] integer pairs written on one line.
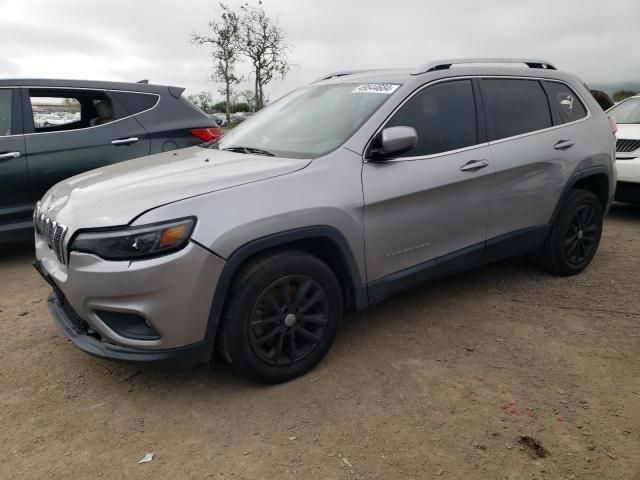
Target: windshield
[[627, 111], [309, 122]]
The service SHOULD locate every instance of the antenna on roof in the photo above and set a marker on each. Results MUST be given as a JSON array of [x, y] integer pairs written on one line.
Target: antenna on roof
[[145, 81]]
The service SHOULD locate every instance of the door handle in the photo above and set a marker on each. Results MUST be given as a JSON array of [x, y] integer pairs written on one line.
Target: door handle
[[474, 165], [563, 144], [124, 141], [9, 155]]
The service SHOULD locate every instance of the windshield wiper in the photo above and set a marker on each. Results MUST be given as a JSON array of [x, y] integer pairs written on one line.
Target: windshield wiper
[[255, 151]]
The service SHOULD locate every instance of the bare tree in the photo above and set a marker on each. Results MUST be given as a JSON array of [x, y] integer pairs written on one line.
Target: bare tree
[[203, 100], [263, 42], [225, 50], [235, 98], [249, 97]]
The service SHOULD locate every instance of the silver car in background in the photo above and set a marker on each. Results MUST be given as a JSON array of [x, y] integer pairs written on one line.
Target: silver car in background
[[336, 196]]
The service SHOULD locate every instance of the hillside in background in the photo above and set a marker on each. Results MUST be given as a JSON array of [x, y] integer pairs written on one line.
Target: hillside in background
[[634, 86]]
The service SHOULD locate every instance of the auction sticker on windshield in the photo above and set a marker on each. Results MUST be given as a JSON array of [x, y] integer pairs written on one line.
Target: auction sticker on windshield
[[385, 88]]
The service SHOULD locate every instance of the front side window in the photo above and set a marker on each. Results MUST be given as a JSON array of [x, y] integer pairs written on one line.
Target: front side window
[[515, 107], [565, 101], [5, 112], [61, 110], [444, 116], [309, 122], [627, 111]]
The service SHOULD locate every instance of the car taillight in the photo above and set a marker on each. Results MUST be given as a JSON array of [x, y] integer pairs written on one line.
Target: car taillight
[[613, 125], [206, 134]]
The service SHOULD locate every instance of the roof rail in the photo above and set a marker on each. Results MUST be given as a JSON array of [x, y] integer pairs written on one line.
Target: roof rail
[[342, 74], [446, 64]]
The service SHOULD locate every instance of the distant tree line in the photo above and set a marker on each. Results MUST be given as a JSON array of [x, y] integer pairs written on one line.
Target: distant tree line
[[238, 102], [620, 95], [251, 35]]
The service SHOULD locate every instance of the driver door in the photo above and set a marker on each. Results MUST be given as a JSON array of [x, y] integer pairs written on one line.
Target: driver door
[[426, 212]]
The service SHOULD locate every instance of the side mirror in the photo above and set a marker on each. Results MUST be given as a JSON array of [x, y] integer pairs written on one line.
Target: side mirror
[[394, 141]]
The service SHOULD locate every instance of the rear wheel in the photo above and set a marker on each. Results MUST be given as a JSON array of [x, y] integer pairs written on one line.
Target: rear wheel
[[282, 316], [575, 235]]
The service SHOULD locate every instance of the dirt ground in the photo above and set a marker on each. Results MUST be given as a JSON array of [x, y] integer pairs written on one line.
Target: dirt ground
[[440, 382]]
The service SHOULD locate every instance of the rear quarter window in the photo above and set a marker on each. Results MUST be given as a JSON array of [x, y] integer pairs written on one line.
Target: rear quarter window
[[135, 102], [565, 101], [515, 106]]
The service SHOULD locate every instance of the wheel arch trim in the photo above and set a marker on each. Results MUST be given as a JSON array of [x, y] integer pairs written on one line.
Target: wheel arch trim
[[254, 247], [581, 175]]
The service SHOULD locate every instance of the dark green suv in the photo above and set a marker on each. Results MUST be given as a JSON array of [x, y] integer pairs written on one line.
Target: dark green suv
[[53, 129]]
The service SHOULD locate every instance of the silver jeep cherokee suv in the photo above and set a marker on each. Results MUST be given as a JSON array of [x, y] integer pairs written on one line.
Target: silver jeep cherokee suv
[[334, 197]]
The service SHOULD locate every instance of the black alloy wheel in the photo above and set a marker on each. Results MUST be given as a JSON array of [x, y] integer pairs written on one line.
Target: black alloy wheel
[[289, 319], [582, 240], [575, 234], [281, 317]]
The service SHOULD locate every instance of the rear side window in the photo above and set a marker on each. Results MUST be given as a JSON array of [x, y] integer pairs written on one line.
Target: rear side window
[[135, 102], [5, 112], [565, 101], [515, 107], [61, 110], [444, 116]]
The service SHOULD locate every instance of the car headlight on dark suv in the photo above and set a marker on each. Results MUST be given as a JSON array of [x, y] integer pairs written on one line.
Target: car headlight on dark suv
[[136, 243]]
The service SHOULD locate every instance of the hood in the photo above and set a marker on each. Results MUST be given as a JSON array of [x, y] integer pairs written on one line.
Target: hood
[[116, 194], [628, 131]]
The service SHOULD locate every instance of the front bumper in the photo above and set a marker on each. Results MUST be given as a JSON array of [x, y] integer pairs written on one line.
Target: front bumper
[[79, 332], [172, 294], [628, 185], [628, 169]]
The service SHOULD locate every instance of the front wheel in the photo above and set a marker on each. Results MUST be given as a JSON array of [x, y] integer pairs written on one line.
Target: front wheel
[[282, 316], [575, 235]]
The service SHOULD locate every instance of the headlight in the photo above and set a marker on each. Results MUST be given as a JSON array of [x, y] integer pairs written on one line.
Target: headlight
[[136, 242]]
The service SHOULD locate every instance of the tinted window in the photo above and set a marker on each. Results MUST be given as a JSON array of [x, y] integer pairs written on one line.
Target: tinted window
[[5, 112], [515, 107], [565, 101], [136, 102], [64, 109], [444, 115]]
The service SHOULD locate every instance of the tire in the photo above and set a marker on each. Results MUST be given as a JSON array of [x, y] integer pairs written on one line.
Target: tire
[[281, 317], [575, 234]]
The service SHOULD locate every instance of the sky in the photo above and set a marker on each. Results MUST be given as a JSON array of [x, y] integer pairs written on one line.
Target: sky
[[130, 40]]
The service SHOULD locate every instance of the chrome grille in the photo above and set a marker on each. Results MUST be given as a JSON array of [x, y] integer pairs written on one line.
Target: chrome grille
[[624, 146], [52, 232]]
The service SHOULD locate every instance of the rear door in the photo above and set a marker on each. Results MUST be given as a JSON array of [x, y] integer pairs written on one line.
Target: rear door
[[531, 162], [16, 206], [94, 130]]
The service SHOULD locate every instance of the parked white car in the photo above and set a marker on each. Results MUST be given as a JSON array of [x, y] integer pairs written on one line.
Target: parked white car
[[49, 119], [219, 118], [627, 116]]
